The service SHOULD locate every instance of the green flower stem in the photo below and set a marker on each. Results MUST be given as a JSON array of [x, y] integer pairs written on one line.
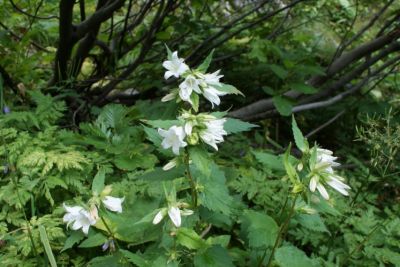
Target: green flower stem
[[281, 234], [191, 181], [110, 232]]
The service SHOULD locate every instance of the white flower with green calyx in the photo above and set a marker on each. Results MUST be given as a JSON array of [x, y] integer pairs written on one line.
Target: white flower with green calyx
[[173, 138], [214, 132], [189, 85], [113, 203], [175, 214], [205, 127], [322, 173], [212, 95], [79, 218], [175, 66]]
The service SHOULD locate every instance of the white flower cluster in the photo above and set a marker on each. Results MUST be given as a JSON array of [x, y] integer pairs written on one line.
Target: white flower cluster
[[204, 126], [206, 84], [79, 217], [174, 213], [323, 173]]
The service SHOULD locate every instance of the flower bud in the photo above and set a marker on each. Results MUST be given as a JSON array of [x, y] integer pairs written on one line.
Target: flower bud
[[193, 139], [300, 167], [106, 191], [170, 165], [297, 188]]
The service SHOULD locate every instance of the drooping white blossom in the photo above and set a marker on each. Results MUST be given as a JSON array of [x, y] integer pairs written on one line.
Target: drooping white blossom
[[173, 137], [214, 132], [189, 85], [212, 95], [174, 213], [175, 67], [325, 174], [113, 203], [213, 78], [79, 218]]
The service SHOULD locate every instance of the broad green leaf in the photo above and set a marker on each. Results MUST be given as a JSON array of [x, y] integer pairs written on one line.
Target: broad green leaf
[[195, 101], [299, 139], [125, 162], [215, 256], [222, 240], [271, 161], [46, 244], [312, 222], [200, 159], [158, 174], [115, 260], [190, 239], [95, 240], [164, 124], [203, 67], [236, 126], [290, 256], [279, 71], [229, 89], [303, 88], [169, 53], [98, 181], [214, 193], [153, 136], [135, 258], [283, 105], [259, 229], [74, 238], [290, 170]]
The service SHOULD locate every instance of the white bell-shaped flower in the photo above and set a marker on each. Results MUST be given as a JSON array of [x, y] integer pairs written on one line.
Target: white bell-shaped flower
[[214, 132], [79, 218], [173, 137], [212, 95], [113, 203], [175, 67], [174, 213], [186, 88], [324, 174]]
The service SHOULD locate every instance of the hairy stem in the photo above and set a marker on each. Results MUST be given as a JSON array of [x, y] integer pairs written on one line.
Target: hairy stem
[[191, 180]]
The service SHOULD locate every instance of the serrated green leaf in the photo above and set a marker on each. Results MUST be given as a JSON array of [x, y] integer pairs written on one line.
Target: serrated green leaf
[[190, 239], [215, 256], [236, 126], [214, 194], [158, 174], [273, 162], [74, 238], [203, 67], [303, 88], [135, 258], [312, 222], [95, 240], [279, 71], [290, 256], [98, 181], [283, 105], [164, 124], [299, 139], [195, 102], [260, 229], [200, 159], [229, 89]]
